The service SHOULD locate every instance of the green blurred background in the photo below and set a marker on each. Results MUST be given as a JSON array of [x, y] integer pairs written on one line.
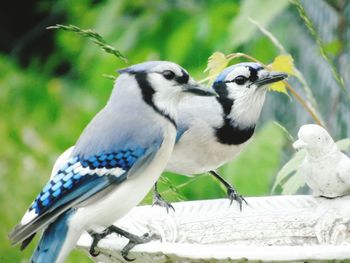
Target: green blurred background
[[52, 84]]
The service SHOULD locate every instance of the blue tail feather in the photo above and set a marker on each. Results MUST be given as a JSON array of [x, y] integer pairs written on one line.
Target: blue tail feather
[[52, 240]]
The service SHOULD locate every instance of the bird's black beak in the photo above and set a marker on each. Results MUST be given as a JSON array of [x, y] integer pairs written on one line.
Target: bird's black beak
[[199, 90], [271, 77]]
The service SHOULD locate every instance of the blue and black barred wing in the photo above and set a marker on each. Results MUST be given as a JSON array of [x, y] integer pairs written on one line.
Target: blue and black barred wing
[[76, 181]]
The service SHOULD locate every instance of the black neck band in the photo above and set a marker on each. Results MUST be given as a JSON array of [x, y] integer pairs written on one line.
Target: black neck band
[[147, 94], [229, 133]]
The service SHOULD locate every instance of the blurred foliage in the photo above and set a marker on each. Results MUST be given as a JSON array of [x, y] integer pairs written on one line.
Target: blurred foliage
[[51, 82]]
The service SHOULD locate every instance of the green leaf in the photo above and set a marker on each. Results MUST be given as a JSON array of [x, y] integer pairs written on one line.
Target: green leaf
[[288, 169], [293, 184], [344, 144], [333, 48]]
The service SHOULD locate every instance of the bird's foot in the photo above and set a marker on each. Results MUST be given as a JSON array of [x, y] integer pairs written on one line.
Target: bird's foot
[[159, 201], [96, 238], [136, 240], [133, 240], [233, 195]]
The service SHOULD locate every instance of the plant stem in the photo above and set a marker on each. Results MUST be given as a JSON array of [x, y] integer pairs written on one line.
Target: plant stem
[[238, 55], [181, 185], [304, 104], [319, 42], [94, 37]]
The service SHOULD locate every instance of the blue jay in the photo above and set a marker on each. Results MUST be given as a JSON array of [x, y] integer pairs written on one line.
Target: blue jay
[[115, 162], [213, 130]]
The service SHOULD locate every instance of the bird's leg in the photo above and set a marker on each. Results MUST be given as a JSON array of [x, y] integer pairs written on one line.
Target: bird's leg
[[133, 240], [231, 191], [159, 200]]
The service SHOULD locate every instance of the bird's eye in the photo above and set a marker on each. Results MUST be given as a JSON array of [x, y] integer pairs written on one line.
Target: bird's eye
[[240, 80], [168, 74]]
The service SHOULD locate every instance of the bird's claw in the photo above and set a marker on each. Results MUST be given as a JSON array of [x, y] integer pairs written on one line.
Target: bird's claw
[[233, 195], [93, 252], [133, 242], [159, 201], [125, 254], [96, 237]]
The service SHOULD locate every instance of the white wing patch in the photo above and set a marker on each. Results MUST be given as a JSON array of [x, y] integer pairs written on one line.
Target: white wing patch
[[76, 168], [99, 171], [117, 172], [29, 216]]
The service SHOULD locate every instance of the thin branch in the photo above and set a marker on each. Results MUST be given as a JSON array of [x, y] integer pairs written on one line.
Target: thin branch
[[304, 104], [94, 37], [273, 39], [181, 185]]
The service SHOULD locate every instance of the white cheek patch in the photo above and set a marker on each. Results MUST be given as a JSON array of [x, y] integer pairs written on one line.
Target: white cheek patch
[[240, 71]]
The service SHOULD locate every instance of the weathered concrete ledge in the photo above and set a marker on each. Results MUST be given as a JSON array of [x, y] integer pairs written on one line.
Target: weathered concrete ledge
[[275, 228]]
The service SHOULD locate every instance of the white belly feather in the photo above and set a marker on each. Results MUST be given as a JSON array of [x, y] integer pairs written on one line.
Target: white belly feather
[[201, 155]]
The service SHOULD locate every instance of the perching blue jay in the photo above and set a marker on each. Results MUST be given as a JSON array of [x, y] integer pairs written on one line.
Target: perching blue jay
[[115, 162], [211, 131]]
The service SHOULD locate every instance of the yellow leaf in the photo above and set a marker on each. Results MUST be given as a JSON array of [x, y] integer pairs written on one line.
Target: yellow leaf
[[279, 87], [216, 63], [283, 63]]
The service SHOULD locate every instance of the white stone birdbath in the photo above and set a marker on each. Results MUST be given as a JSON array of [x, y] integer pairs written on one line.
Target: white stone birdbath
[[269, 229]]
